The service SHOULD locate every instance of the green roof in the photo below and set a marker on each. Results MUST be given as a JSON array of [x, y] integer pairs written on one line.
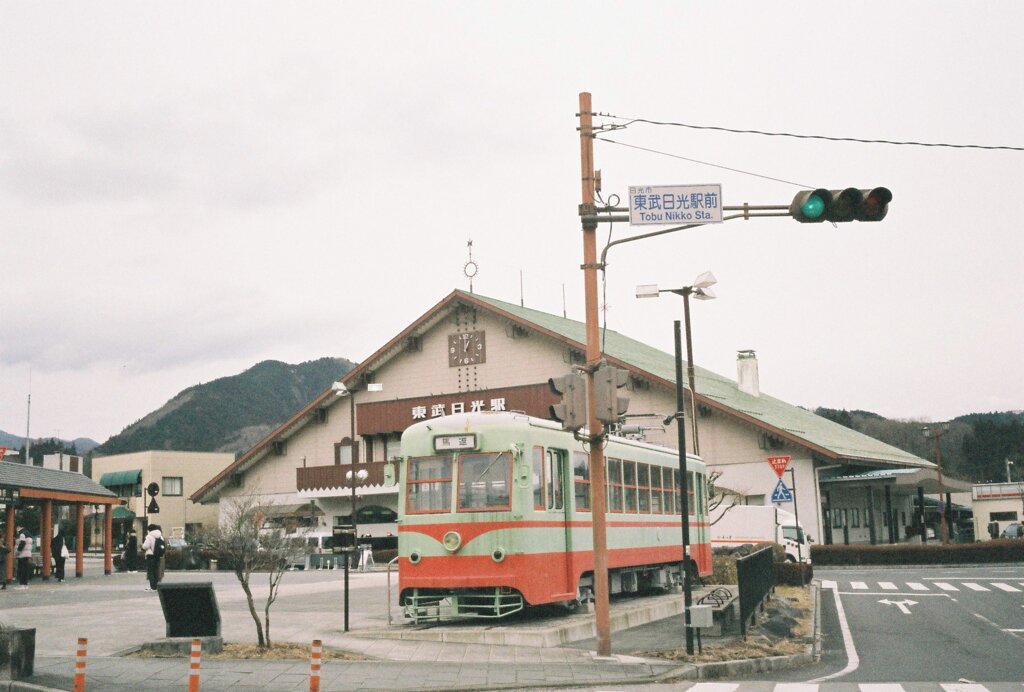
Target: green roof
[[112, 479], [793, 422]]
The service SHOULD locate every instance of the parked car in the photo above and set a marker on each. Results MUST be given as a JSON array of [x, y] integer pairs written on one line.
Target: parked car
[[1014, 530], [181, 555]]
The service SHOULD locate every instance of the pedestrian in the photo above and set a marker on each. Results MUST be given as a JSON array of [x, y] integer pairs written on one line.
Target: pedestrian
[[59, 552], [153, 545], [4, 550], [131, 551], [23, 552]]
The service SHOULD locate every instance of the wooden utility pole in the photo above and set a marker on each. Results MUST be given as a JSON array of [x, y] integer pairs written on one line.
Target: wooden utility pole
[[598, 497]]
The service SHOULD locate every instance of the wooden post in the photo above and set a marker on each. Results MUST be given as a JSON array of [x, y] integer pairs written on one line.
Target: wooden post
[[45, 534], [79, 540], [108, 540]]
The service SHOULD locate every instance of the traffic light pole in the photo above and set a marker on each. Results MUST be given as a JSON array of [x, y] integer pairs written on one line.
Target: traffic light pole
[[598, 496]]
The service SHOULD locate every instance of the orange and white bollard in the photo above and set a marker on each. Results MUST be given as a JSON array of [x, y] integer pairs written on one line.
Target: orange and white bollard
[[314, 666], [83, 646], [193, 665]]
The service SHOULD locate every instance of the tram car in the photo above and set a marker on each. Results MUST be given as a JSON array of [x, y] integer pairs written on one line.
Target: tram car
[[494, 515]]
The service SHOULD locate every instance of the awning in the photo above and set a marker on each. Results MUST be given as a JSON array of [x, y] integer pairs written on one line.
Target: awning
[[122, 513], [113, 479], [306, 509], [925, 478]]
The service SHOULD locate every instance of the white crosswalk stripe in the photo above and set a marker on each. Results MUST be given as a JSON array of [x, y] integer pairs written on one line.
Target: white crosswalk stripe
[[887, 585], [859, 585], [946, 587], [881, 687], [714, 687], [1005, 587], [963, 687], [917, 586], [840, 687], [974, 587]]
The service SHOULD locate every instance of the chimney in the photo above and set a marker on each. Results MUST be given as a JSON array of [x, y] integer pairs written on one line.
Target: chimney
[[746, 372]]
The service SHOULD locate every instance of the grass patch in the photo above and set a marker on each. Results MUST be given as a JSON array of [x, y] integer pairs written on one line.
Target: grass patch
[[279, 652], [757, 643]]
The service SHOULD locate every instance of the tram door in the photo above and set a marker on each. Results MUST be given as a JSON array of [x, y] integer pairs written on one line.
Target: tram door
[[558, 503]]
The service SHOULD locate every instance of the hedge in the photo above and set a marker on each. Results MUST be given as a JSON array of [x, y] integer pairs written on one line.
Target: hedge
[[1000, 550]]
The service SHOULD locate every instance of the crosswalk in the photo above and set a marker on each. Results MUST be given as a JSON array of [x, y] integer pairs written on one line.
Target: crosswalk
[[851, 687], [925, 585]]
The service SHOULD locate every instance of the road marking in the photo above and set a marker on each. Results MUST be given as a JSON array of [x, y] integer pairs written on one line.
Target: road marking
[[962, 687], [887, 585], [858, 585], [881, 687], [714, 687], [795, 687], [917, 586], [974, 587], [904, 605], [1005, 587], [852, 659], [829, 584], [946, 587]]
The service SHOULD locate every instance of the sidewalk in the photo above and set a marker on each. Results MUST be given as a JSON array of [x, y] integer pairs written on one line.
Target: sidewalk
[[117, 616]]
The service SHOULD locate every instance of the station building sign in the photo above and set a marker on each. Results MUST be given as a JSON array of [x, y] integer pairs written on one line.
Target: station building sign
[[652, 205]]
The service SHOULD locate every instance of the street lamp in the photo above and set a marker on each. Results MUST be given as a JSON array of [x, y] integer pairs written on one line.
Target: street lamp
[[701, 290], [937, 432], [1008, 465]]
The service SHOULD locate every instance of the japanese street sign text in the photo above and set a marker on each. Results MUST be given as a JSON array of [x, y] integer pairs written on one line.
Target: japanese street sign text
[[781, 493], [674, 204], [778, 464]]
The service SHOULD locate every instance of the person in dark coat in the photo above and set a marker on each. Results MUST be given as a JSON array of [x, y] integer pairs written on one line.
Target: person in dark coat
[[59, 553], [131, 551], [4, 551]]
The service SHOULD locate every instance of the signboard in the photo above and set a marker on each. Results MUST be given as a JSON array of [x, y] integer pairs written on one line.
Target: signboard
[[779, 464], [448, 442], [781, 493], [674, 204], [10, 496]]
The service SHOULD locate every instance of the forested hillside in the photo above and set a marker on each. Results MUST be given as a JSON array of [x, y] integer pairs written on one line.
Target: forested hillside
[[229, 414]]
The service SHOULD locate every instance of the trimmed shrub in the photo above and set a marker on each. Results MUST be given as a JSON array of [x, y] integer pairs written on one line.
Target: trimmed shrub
[[793, 574], [1001, 550]]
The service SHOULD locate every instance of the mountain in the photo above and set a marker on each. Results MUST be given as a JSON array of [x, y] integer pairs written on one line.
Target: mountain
[[229, 414], [81, 445]]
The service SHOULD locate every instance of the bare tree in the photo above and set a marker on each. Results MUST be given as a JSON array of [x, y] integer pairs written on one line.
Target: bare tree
[[241, 540]]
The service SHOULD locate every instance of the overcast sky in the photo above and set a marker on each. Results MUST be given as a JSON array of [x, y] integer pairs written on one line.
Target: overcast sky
[[188, 189]]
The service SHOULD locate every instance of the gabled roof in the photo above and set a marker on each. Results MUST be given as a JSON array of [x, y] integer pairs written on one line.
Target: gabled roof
[[38, 482], [772, 415]]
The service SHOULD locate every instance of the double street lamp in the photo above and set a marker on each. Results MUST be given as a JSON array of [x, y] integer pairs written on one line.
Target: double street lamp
[[701, 290]]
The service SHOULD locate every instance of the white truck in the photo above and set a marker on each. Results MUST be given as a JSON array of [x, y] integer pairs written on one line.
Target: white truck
[[736, 525]]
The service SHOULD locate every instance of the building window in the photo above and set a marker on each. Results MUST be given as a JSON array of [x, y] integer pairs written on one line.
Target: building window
[[1002, 516], [346, 451], [172, 486]]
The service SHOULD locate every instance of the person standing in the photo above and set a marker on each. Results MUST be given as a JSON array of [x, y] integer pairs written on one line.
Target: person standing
[[59, 551], [131, 551], [4, 550], [152, 545], [23, 552]]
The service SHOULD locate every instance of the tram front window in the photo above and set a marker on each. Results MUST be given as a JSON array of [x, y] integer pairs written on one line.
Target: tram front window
[[430, 484], [484, 481]]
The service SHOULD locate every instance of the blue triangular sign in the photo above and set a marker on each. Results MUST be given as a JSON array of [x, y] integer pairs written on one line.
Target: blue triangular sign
[[781, 493]]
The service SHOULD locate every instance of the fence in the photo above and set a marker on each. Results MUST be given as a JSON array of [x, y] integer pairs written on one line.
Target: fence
[[755, 577]]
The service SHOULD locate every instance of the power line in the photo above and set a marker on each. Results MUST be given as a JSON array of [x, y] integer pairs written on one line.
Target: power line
[[764, 133]]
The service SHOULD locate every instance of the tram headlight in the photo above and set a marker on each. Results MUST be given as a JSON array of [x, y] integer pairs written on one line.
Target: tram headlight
[[498, 555], [452, 541]]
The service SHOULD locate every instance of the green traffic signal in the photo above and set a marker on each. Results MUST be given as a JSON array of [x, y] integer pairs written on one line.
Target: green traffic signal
[[840, 206], [813, 208]]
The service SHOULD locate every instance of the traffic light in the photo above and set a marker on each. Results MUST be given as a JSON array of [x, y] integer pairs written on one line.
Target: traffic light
[[838, 206], [572, 411], [610, 406]]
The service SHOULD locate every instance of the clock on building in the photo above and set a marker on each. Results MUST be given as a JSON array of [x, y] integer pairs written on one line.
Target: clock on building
[[466, 348]]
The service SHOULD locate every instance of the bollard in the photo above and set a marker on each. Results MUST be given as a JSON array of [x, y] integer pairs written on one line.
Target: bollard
[[194, 663], [83, 645], [314, 666]]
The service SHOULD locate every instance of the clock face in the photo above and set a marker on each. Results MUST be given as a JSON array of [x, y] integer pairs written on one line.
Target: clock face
[[466, 348]]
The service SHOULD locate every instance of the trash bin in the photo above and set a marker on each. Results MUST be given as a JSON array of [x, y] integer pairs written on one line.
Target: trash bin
[[190, 609], [213, 564]]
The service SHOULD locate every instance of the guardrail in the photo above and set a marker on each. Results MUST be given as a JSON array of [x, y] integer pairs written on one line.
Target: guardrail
[[755, 577]]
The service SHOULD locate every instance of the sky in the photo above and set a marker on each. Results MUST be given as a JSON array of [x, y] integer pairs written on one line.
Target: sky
[[189, 189]]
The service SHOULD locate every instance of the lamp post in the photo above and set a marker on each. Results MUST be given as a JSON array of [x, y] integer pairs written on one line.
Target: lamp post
[[937, 432], [701, 290], [1008, 465]]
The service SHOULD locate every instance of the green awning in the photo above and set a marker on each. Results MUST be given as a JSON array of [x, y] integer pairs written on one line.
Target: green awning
[[122, 513], [113, 479]]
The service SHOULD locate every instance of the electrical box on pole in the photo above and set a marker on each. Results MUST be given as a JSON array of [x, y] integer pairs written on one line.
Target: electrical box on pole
[[607, 381], [572, 411], [840, 206]]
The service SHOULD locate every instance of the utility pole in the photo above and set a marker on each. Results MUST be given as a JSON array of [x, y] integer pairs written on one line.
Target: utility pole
[[598, 497]]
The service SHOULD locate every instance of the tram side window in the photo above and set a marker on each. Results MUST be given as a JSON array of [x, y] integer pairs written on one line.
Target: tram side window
[[554, 479], [691, 506], [581, 478], [669, 493], [702, 496], [657, 496], [429, 484], [615, 485], [484, 481], [538, 478], [643, 483], [629, 485], [677, 491]]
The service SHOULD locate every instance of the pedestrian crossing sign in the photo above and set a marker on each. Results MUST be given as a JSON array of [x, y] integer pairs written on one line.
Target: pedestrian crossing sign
[[781, 493]]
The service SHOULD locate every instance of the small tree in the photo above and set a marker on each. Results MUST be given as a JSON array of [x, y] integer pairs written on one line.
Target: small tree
[[249, 548]]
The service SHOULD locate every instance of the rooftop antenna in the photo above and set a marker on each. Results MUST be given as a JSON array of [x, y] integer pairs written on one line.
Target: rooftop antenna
[[28, 421], [470, 268]]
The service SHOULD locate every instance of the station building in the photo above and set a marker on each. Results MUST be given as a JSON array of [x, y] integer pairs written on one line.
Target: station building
[[473, 353]]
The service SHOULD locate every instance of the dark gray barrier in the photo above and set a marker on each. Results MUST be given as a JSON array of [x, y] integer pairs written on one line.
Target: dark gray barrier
[[755, 576], [190, 609]]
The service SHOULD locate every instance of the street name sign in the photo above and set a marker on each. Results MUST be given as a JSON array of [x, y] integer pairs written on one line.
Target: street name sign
[[781, 493], [651, 205], [779, 464]]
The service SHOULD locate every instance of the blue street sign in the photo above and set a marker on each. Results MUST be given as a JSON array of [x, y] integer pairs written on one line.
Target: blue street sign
[[781, 493]]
